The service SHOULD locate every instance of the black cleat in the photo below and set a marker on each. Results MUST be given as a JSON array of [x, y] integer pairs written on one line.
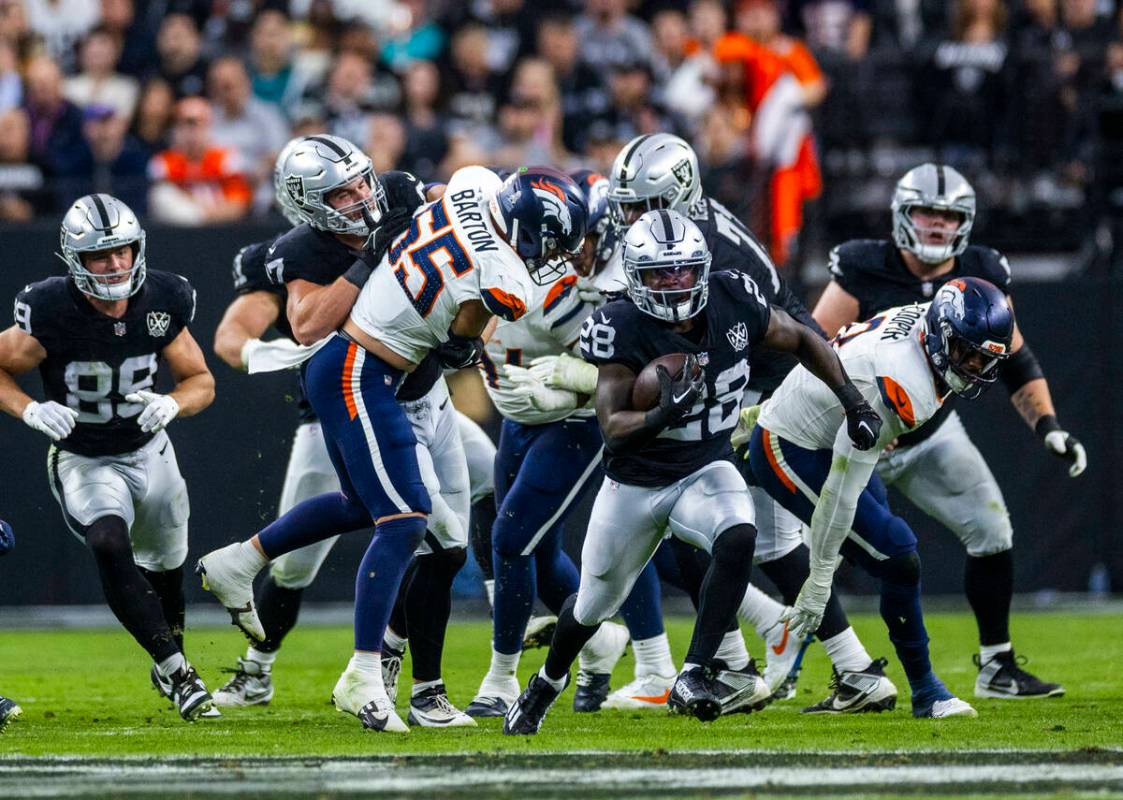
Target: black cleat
[[190, 695], [592, 690], [1002, 677], [868, 690], [8, 711], [525, 716], [739, 690], [693, 694]]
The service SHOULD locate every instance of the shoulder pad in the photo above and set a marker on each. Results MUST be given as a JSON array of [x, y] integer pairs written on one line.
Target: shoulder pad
[[857, 255], [39, 303], [991, 265]]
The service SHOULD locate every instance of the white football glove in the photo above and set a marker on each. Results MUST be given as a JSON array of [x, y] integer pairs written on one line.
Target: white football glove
[[159, 410], [588, 293], [257, 348], [566, 372], [1065, 445], [540, 396], [805, 617], [51, 418], [745, 424]]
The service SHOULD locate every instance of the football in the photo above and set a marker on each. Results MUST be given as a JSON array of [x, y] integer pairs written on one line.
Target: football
[[645, 391]]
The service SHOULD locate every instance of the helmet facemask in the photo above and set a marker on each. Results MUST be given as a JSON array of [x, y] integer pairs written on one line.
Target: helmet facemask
[[660, 249], [353, 218], [669, 305], [94, 224], [910, 236], [935, 187]]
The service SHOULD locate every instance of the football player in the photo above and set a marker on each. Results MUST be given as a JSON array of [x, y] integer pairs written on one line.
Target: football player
[[668, 469], [9, 710], [905, 361], [470, 256], [938, 467], [315, 251], [661, 171], [98, 336]]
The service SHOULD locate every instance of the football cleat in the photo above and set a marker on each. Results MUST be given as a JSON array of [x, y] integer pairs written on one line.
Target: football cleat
[[600, 653], [647, 691], [1002, 677], [432, 709], [950, 707], [781, 650], [161, 684], [8, 711], [525, 716], [368, 702], [232, 584], [591, 692], [693, 693], [739, 690], [539, 632], [391, 669], [190, 694], [494, 697], [868, 690], [252, 685]]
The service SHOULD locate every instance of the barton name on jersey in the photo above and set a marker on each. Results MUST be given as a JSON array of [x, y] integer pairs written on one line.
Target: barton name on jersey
[[93, 360]]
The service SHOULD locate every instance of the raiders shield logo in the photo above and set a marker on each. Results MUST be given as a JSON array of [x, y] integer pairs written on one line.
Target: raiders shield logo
[[158, 322], [683, 172], [738, 336], [294, 185]]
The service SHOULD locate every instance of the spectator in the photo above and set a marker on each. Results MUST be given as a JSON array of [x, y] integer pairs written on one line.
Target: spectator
[[833, 29], [61, 24], [426, 127], [386, 144], [11, 86], [473, 86], [195, 182], [154, 114], [611, 37], [898, 26], [99, 83], [512, 29], [180, 50], [760, 21], [119, 164], [530, 122], [583, 92], [56, 123], [23, 188], [688, 88], [251, 127], [348, 96], [632, 109], [420, 39], [727, 171], [138, 52], [275, 79]]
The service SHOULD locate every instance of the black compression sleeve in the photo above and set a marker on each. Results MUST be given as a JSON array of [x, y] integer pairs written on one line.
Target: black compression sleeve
[[1019, 369]]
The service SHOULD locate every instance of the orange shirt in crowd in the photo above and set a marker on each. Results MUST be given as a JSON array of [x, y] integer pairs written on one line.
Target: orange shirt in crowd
[[217, 172]]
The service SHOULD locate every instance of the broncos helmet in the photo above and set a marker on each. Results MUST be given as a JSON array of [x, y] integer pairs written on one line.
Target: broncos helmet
[[544, 217], [598, 241], [969, 328], [315, 166], [657, 170], [98, 222], [932, 186], [665, 242]]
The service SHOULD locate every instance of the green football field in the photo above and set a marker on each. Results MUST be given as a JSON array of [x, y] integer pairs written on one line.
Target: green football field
[[86, 694]]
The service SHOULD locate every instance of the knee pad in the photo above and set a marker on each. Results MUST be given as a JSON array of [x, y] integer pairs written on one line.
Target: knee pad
[[735, 544], [109, 536], [903, 570], [508, 537]]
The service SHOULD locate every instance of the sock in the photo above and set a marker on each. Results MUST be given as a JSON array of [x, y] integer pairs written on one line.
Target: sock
[[989, 651], [732, 650], [569, 637], [789, 573], [369, 665], [483, 518], [379, 576], [168, 586], [503, 665], [129, 595], [278, 609], [391, 641], [731, 561], [249, 557], [311, 521], [423, 686], [263, 657], [759, 610], [989, 584], [653, 656], [643, 609], [846, 652], [428, 605], [171, 665], [557, 683], [489, 590]]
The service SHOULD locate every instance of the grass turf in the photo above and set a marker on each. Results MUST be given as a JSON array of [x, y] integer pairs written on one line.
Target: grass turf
[[86, 693]]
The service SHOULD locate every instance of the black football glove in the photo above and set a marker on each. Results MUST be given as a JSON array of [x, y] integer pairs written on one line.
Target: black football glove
[[863, 424], [678, 395], [392, 225], [460, 352]]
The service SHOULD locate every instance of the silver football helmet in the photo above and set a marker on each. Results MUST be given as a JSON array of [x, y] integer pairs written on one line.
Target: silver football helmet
[[657, 170], [657, 249], [932, 186], [102, 222], [316, 165], [284, 201]]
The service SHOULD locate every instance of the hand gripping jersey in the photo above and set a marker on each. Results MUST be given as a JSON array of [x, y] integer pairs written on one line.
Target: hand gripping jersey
[[725, 336], [552, 326], [873, 271], [93, 360], [884, 357], [451, 254]]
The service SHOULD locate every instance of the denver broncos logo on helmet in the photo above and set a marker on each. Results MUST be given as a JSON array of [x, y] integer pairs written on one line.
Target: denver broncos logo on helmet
[[553, 202]]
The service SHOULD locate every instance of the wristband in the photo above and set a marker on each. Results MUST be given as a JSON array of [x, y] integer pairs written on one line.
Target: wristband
[[849, 396], [1046, 425], [358, 274]]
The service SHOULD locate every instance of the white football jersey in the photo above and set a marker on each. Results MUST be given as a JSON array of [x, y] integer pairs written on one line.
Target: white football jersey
[[552, 326], [884, 357], [451, 254]]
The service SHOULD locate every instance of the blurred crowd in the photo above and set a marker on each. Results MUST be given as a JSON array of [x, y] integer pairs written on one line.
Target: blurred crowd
[[179, 107]]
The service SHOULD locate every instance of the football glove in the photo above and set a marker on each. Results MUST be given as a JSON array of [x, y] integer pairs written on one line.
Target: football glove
[[159, 410], [1066, 446], [863, 424], [566, 372], [677, 397], [745, 424], [805, 617], [587, 292], [51, 418], [460, 352], [537, 393], [7, 537]]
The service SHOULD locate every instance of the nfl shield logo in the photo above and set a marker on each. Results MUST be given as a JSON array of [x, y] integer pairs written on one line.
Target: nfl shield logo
[[158, 322], [738, 336], [119, 328]]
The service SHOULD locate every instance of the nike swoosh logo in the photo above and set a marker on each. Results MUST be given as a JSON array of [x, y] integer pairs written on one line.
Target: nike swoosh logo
[[682, 396], [779, 649], [657, 699], [162, 449]]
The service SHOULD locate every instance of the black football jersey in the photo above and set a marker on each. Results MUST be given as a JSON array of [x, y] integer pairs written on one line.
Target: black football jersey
[[734, 246], [873, 271], [94, 360], [734, 320]]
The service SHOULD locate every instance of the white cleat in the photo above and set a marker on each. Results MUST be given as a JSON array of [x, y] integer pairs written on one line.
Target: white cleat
[[647, 691], [539, 632], [252, 685], [231, 581], [433, 709], [952, 707], [494, 697], [367, 701], [600, 654], [739, 690], [781, 650], [391, 670]]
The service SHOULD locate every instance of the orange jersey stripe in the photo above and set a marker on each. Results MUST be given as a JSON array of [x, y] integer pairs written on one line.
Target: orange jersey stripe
[[772, 462], [504, 304], [348, 392], [898, 399]]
